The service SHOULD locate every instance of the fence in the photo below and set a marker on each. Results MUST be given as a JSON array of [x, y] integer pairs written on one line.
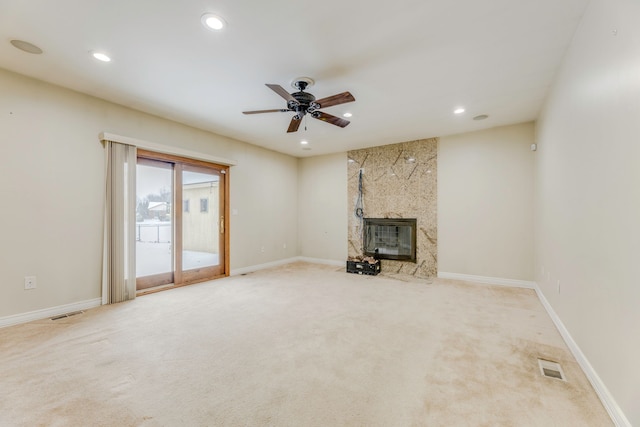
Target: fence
[[154, 232]]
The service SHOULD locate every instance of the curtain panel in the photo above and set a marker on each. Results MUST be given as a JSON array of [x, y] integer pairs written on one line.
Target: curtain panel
[[119, 255]]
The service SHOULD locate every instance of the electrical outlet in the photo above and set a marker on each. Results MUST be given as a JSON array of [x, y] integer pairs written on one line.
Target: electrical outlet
[[30, 282]]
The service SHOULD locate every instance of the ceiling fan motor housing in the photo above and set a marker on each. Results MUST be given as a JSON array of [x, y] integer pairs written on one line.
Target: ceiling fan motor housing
[[303, 97], [304, 102]]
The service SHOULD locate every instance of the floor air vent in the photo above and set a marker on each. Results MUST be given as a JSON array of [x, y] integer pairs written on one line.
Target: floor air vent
[[64, 316], [551, 369]]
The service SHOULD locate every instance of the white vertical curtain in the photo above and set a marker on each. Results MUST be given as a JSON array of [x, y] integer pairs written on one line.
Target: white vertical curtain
[[119, 256]]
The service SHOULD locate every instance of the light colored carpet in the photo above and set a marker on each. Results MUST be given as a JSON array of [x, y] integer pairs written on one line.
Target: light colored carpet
[[299, 345]]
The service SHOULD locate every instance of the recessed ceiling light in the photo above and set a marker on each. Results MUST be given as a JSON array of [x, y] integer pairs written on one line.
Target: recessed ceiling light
[[101, 56], [347, 115], [26, 47], [458, 110], [213, 22], [481, 117], [303, 142]]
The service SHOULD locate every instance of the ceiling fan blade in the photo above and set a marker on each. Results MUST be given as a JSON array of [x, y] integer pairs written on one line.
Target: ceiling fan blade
[[330, 119], [340, 98], [295, 124], [282, 110], [283, 93]]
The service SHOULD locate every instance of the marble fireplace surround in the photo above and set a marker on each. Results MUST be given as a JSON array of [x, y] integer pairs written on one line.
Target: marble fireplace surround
[[398, 181]]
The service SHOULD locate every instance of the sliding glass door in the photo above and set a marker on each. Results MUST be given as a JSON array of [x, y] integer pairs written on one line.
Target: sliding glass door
[[181, 223], [154, 223], [201, 252]]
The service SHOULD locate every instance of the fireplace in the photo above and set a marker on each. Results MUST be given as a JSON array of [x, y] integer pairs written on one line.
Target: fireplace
[[390, 238]]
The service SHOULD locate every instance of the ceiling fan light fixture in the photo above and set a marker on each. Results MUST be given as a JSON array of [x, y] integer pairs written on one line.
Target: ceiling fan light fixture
[[213, 22]]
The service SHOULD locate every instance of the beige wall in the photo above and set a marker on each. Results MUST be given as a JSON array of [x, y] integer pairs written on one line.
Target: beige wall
[[485, 203], [588, 196], [322, 198], [52, 180]]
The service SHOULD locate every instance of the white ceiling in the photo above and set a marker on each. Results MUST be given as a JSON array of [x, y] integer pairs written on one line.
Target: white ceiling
[[408, 63]]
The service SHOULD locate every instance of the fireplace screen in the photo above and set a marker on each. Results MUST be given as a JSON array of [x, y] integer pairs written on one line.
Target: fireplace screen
[[390, 238]]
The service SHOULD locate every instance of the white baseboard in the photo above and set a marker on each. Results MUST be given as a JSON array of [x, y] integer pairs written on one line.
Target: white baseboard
[[252, 268], [609, 403], [49, 312], [324, 261], [488, 280]]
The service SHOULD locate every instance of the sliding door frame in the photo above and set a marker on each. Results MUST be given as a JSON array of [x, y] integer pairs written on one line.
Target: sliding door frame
[[181, 279]]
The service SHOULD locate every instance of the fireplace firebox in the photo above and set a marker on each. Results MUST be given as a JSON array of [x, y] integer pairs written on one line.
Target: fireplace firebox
[[390, 238]]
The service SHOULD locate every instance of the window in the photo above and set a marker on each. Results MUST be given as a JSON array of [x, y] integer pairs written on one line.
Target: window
[[204, 205], [185, 206]]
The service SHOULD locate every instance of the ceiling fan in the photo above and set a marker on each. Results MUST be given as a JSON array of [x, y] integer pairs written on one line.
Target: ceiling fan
[[303, 103]]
